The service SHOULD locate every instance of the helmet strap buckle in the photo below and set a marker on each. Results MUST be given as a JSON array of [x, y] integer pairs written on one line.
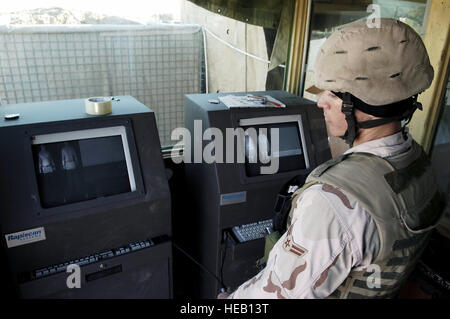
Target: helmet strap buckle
[[347, 108], [349, 111], [417, 104]]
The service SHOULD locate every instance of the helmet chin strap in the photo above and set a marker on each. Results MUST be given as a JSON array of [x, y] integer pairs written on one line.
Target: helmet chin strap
[[348, 109]]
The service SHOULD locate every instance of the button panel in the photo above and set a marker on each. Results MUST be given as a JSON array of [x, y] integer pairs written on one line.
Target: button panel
[[39, 273]]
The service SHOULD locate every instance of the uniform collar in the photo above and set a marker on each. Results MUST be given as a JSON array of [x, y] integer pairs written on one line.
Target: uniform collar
[[384, 147]]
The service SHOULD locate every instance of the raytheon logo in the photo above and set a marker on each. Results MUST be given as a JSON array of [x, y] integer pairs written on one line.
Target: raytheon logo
[[25, 237]]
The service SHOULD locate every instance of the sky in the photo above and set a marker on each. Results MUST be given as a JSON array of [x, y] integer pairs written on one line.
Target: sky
[[137, 10]]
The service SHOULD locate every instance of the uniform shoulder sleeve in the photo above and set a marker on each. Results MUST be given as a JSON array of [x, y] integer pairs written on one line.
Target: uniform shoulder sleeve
[[318, 229], [316, 253]]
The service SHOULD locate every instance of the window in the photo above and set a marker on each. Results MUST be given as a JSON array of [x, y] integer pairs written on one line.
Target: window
[[440, 154], [155, 51], [52, 50], [238, 53]]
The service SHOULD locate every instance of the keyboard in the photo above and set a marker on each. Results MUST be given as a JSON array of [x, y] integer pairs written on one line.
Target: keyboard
[[252, 231]]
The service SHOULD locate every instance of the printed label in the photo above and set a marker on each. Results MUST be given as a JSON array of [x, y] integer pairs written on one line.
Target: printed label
[[233, 198], [25, 237]]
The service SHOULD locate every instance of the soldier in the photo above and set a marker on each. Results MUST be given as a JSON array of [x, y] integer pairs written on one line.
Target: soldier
[[361, 221]]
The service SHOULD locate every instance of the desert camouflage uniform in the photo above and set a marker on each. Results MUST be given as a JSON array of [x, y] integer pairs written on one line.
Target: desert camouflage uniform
[[330, 236]]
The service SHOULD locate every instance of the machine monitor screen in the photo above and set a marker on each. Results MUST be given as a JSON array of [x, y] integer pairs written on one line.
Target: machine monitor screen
[[291, 151], [82, 165]]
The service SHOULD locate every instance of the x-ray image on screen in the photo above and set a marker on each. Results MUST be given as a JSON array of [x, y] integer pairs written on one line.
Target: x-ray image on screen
[[258, 152], [79, 170]]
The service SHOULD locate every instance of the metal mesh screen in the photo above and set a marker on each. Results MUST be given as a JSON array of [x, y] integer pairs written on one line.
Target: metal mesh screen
[[155, 64]]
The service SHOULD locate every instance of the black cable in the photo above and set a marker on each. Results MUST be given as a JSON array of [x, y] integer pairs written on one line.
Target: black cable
[[200, 265], [224, 254]]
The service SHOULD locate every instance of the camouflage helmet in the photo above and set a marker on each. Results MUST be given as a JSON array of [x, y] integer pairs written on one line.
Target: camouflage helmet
[[379, 66]]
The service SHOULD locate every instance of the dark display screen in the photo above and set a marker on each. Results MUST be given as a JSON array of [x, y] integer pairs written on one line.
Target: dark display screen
[[258, 150], [80, 170]]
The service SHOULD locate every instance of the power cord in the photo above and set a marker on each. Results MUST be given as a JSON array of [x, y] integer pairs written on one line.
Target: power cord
[[223, 254], [223, 287]]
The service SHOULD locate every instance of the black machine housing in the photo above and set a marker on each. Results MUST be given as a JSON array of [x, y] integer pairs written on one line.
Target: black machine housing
[[209, 237], [121, 242]]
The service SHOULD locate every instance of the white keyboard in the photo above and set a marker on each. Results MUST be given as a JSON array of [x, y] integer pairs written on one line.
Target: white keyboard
[[253, 231]]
